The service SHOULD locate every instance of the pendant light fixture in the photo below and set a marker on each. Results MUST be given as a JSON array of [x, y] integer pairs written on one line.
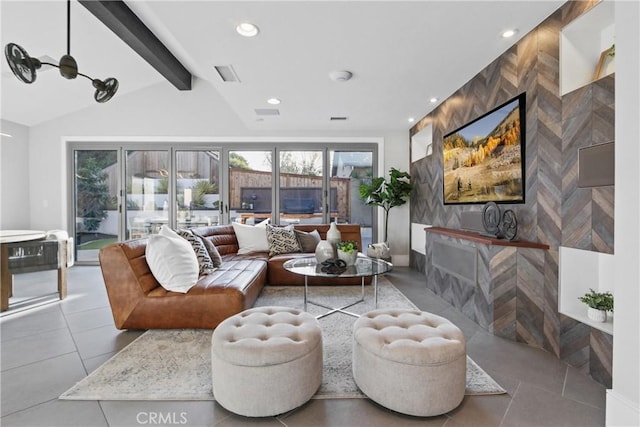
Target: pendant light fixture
[[24, 66]]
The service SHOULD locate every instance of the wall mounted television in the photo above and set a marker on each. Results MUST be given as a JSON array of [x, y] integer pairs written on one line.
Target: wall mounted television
[[484, 160]]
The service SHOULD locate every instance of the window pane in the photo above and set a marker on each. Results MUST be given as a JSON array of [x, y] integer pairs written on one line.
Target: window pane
[[348, 169], [301, 187], [96, 203], [250, 186], [147, 204], [197, 188]]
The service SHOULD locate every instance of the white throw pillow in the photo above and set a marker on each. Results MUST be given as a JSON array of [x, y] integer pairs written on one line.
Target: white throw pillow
[[172, 261], [250, 238]]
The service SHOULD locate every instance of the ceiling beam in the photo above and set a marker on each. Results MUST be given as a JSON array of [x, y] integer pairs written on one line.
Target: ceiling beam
[[121, 20]]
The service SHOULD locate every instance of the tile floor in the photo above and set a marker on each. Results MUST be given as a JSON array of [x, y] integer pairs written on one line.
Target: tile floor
[[46, 350]]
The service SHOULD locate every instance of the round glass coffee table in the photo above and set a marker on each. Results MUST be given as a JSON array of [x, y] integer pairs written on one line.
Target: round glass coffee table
[[363, 268]]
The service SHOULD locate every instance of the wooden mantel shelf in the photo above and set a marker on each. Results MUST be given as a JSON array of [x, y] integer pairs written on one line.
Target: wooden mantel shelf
[[486, 240]]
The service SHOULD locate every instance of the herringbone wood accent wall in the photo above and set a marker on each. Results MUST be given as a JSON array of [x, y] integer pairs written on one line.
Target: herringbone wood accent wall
[[555, 212]]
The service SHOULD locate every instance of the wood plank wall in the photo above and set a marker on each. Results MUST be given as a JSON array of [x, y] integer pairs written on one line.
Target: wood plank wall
[[555, 127]]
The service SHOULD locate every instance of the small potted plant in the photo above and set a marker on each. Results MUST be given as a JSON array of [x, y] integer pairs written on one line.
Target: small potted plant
[[348, 251], [599, 303]]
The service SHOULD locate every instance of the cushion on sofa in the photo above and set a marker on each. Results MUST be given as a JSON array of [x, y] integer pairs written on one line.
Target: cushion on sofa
[[216, 259], [308, 241], [251, 238], [282, 240], [172, 261], [205, 263]]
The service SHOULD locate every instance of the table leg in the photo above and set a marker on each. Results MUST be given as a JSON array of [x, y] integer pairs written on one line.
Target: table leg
[[62, 270], [6, 279], [375, 289], [306, 279]]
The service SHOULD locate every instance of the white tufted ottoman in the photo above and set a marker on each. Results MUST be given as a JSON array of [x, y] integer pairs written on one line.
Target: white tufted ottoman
[[409, 361], [266, 360]]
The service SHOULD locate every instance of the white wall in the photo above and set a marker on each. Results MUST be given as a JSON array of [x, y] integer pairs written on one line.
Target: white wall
[[623, 400], [160, 111], [14, 177], [396, 154]]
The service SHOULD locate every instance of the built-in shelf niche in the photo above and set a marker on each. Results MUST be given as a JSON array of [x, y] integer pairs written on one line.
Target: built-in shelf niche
[[418, 237], [581, 43], [581, 270], [422, 143]]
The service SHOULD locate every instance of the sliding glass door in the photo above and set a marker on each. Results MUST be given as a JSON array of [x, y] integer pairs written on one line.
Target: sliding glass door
[[146, 207], [348, 170], [197, 188], [95, 189], [301, 184], [250, 186]]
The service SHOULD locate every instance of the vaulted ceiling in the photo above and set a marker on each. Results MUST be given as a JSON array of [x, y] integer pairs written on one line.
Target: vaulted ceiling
[[400, 53]]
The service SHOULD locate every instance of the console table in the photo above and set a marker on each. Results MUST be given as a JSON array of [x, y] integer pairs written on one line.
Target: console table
[[497, 283], [25, 251]]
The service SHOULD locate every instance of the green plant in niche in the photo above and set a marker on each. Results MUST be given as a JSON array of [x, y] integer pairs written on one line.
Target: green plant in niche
[[598, 300], [348, 246], [387, 194]]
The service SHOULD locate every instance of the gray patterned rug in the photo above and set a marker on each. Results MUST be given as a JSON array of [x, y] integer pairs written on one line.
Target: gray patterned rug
[[176, 364]]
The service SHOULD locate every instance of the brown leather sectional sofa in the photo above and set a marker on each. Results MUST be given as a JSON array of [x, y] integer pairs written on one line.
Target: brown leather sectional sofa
[[139, 302]]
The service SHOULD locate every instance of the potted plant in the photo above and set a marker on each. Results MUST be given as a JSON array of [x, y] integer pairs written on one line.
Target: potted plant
[[387, 194], [348, 251], [599, 303]]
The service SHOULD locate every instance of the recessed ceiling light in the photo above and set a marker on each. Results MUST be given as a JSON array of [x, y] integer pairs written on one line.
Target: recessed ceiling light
[[247, 29], [411, 119], [273, 101], [340, 76], [433, 100], [509, 33]]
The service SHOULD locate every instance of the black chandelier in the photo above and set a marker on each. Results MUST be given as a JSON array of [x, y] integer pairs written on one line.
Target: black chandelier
[[24, 66]]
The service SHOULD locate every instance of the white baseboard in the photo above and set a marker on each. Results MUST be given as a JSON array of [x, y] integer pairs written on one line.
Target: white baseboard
[[621, 411]]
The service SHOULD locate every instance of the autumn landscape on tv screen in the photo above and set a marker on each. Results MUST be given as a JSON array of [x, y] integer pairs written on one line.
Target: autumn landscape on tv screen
[[483, 160]]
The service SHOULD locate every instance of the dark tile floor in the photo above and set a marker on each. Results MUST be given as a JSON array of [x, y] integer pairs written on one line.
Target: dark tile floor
[[45, 350]]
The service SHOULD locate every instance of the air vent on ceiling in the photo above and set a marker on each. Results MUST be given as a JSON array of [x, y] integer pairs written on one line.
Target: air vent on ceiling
[[267, 111], [338, 118], [227, 73]]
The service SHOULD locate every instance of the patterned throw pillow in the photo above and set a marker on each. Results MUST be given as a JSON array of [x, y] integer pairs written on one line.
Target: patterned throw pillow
[[212, 250], [204, 260], [282, 240]]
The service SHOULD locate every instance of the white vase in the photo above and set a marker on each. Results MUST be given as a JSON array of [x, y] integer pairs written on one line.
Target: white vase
[[334, 237], [333, 234], [348, 257], [324, 251], [596, 315]]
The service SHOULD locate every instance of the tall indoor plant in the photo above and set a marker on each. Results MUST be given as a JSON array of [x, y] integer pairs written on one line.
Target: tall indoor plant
[[387, 194]]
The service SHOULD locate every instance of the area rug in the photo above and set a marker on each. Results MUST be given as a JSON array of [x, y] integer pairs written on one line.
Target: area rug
[[176, 364]]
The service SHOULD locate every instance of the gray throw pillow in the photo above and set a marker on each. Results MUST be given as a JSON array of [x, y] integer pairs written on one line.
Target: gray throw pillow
[[212, 250], [308, 241]]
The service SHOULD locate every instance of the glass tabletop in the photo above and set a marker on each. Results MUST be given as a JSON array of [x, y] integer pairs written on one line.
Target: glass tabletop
[[363, 267]]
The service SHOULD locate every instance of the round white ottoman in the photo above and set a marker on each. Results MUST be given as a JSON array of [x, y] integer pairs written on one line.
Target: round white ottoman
[[410, 361], [266, 360]]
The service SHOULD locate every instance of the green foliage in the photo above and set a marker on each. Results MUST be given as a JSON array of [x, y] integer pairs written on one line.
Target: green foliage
[[163, 186], [199, 190], [348, 246], [598, 300], [238, 161], [93, 193], [387, 194]]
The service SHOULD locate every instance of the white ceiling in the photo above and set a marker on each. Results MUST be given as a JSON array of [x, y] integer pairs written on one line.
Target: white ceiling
[[400, 54]]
